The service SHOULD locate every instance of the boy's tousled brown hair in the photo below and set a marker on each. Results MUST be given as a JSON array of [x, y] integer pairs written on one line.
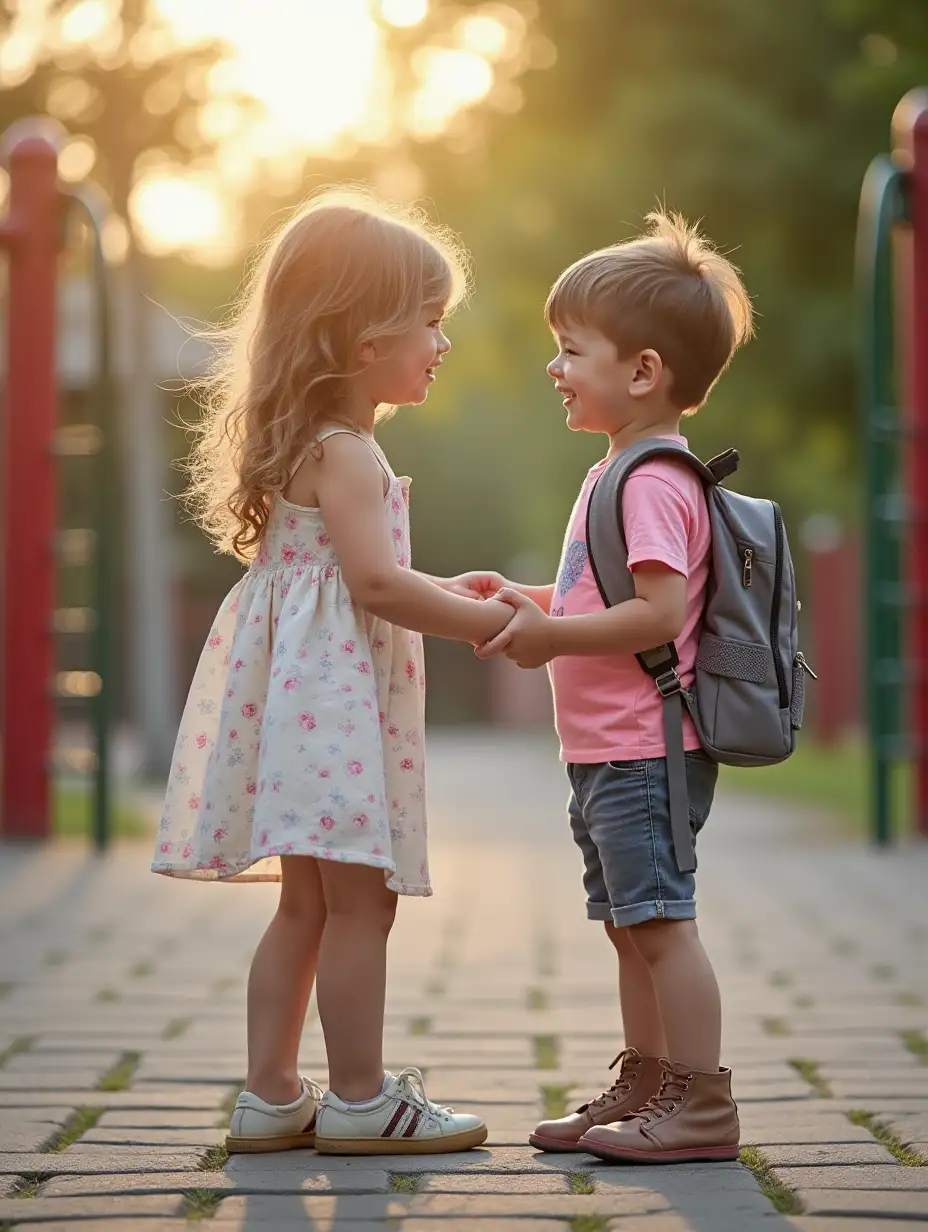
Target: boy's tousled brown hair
[[670, 291]]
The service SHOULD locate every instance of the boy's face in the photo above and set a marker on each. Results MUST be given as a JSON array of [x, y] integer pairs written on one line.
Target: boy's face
[[594, 382]]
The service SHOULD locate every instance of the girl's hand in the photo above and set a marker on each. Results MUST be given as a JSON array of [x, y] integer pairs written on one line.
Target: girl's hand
[[475, 585], [527, 639]]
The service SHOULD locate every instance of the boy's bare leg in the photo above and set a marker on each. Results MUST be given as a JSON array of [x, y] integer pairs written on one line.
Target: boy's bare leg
[[686, 991], [641, 1016]]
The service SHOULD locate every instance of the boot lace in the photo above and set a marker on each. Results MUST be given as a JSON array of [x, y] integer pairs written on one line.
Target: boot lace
[[674, 1083], [629, 1059]]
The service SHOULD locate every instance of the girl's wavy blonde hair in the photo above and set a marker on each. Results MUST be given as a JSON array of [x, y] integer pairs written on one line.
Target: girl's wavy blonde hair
[[345, 270]]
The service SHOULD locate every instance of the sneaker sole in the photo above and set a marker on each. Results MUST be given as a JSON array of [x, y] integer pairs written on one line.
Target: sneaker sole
[[554, 1144], [260, 1146], [402, 1146], [628, 1155]]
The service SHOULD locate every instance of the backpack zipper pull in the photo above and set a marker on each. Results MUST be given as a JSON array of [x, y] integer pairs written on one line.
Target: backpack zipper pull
[[746, 578], [801, 660]]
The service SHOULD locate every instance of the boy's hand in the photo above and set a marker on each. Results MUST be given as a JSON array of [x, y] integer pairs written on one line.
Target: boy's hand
[[527, 638], [475, 585]]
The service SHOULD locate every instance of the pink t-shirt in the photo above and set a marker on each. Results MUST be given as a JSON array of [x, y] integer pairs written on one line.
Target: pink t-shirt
[[605, 707]]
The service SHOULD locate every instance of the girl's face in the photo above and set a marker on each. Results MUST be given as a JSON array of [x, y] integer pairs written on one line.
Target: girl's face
[[402, 374]]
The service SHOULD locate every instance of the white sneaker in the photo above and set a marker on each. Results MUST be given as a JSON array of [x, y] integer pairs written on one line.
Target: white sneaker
[[400, 1121], [257, 1126]]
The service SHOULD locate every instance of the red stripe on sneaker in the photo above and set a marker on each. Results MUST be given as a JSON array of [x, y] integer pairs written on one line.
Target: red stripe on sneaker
[[413, 1124], [401, 1110]]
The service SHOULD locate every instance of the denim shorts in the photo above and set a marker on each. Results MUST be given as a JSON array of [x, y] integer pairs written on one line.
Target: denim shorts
[[620, 817]]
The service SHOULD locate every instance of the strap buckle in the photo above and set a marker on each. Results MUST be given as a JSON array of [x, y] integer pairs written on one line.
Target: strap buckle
[[669, 683]]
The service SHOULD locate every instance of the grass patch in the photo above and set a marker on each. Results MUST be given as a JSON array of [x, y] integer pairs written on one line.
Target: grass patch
[[546, 1051], [100, 933], [26, 1187], [225, 984], [56, 958], [72, 816], [775, 1026], [22, 1043], [779, 979], [404, 1182], [783, 1197], [227, 1107], [544, 960], [884, 1135], [201, 1203], [809, 1071], [803, 1001], [581, 1183], [909, 999], [75, 1127], [141, 969], [844, 947], [435, 988], [107, 995], [420, 1026], [214, 1158], [175, 1028], [6, 986], [537, 999], [882, 972], [589, 1223], [119, 1078], [917, 1044], [554, 1099], [832, 778]]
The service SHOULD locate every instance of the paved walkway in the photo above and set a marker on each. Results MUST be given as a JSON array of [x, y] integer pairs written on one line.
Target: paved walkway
[[121, 1032]]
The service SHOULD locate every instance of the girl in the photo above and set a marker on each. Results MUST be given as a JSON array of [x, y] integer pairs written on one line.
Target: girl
[[300, 756]]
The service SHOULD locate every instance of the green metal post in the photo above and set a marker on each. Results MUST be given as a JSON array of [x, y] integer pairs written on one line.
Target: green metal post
[[94, 209], [881, 208]]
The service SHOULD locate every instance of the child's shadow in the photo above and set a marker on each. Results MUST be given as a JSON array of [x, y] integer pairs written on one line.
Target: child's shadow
[[301, 1192]]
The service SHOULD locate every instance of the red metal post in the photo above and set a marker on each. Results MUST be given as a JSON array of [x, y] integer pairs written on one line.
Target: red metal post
[[31, 234], [910, 141]]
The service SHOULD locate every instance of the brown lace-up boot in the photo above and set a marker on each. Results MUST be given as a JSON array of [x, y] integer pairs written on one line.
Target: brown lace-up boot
[[692, 1118], [639, 1078]]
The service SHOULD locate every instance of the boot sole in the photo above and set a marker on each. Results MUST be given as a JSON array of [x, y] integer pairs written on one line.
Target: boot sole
[[627, 1155], [261, 1146], [554, 1144], [402, 1146]]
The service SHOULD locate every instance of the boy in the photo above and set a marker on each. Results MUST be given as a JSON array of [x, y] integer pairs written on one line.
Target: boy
[[644, 330]]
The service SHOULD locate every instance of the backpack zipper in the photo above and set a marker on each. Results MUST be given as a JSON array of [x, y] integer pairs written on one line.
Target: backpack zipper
[[775, 608], [747, 567]]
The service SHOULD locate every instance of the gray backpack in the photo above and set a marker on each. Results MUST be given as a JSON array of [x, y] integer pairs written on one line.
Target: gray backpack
[[747, 697]]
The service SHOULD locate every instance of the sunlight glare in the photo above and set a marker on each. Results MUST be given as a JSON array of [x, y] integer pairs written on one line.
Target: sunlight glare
[[175, 212], [450, 80], [76, 160], [483, 35], [404, 13], [85, 21]]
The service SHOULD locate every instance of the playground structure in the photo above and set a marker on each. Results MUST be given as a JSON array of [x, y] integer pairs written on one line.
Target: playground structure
[[892, 272], [34, 544]]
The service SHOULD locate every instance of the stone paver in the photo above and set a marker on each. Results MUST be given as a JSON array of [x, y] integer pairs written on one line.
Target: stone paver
[[503, 993]]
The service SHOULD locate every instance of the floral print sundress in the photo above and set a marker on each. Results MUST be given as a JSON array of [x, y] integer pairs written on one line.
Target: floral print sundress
[[304, 730]]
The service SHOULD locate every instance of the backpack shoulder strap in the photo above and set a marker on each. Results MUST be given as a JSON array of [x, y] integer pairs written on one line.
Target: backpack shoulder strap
[[608, 556]]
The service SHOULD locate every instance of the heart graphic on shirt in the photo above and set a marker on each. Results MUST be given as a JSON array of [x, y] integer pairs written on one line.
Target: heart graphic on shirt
[[574, 564]]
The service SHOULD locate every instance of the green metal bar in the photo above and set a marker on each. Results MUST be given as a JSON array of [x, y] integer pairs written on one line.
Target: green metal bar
[[881, 208], [94, 208]]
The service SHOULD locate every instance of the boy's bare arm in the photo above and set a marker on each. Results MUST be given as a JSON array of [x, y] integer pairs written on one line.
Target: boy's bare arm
[[654, 616]]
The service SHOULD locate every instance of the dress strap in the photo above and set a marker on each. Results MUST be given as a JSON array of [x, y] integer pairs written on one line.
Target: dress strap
[[339, 431]]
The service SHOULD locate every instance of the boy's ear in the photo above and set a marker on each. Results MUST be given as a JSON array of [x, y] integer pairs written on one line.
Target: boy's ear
[[367, 353], [647, 374]]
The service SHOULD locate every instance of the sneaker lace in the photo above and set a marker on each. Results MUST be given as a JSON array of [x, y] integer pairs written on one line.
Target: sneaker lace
[[412, 1087], [674, 1082], [314, 1089], [629, 1059]]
